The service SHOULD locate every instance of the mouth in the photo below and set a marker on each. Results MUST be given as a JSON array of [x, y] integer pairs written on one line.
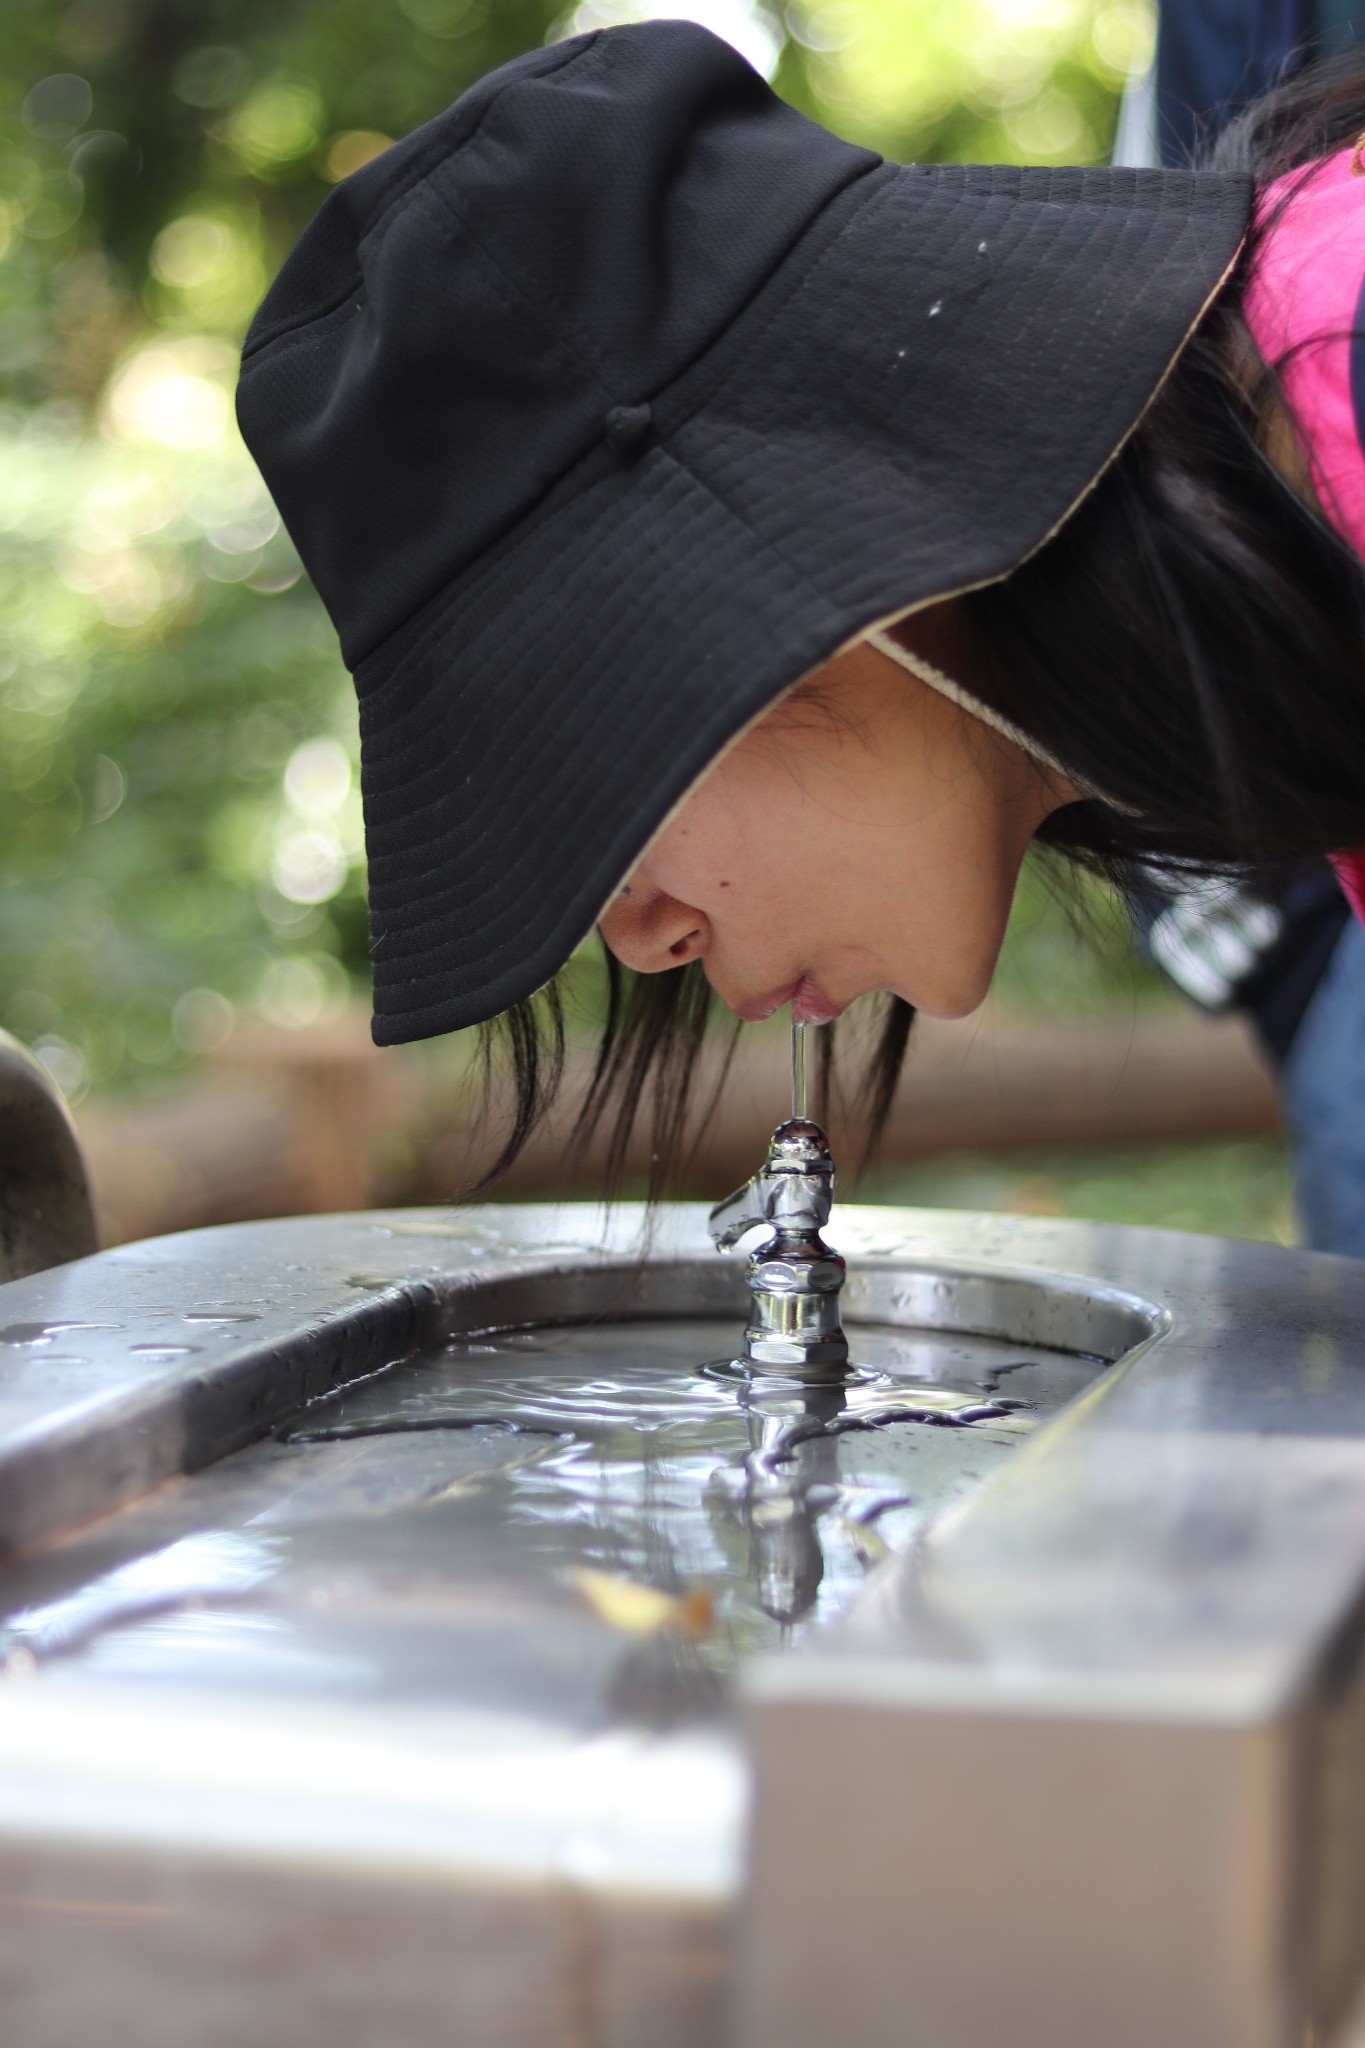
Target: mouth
[[809, 1004]]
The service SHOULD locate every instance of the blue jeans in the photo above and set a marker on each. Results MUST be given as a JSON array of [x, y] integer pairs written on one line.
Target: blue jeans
[[1322, 1086]]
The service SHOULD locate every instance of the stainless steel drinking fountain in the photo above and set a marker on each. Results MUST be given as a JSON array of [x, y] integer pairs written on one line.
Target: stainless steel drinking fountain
[[406, 1642]]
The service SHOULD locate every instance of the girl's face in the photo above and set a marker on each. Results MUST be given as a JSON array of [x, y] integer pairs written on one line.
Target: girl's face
[[866, 834]]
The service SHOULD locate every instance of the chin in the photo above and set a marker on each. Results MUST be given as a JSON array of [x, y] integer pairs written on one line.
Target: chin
[[951, 999]]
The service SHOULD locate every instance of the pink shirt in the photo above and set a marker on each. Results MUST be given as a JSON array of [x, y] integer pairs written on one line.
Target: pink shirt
[[1303, 305]]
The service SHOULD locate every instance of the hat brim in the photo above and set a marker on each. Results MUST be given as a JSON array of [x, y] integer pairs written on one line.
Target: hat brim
[[920, 395]]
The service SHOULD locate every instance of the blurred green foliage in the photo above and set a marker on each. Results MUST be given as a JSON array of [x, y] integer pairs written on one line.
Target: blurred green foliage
[[1238, 1188], [975, 81], [180, 831]]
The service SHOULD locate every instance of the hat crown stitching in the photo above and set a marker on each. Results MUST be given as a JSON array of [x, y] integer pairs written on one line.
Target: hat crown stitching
[[437, 152], [583, 342]]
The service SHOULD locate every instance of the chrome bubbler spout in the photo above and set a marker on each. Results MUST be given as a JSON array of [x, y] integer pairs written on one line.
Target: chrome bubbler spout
[[794, 1277]]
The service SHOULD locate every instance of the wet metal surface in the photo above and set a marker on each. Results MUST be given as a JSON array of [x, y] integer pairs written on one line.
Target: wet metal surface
[[307, 1590], [425, 1534]]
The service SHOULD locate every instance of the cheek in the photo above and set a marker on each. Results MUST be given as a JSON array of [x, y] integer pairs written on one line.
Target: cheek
[[873, 865], [948, 923], [719, 848]]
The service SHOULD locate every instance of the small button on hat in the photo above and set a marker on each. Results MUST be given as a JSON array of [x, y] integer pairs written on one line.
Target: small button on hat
[[608, 404]]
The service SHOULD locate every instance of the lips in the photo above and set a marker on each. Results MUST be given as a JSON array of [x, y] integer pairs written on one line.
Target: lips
[[809, 1004], [759, 1008]]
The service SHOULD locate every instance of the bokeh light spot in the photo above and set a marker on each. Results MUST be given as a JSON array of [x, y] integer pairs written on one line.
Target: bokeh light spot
[[188, 251], [351, 151], [55, 108], [1124, 39], [276, 127], [173, 394], [202, 1020], [745, 24], [215, 75], [317, 779], [302, 989], [309, 867], [65, 1064], [445, 17], [109, 786]]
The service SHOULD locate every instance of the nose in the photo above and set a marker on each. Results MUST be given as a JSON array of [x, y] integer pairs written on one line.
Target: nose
[[649, 931]]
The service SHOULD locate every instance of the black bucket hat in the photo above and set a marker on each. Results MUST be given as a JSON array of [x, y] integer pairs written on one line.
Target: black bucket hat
[[621, 395]]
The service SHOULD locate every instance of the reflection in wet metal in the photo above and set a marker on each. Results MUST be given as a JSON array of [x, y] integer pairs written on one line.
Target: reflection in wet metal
[[639, 1463], [445, 1650], [456, 1495]]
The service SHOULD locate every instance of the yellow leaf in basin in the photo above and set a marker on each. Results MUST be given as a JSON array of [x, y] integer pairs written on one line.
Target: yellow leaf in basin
[[640, 1610]]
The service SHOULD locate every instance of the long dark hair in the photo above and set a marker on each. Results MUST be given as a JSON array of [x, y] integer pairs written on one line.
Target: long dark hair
[[1192, 643]]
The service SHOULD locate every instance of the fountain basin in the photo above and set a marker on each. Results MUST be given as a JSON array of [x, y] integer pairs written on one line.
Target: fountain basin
[[323, 1728]]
